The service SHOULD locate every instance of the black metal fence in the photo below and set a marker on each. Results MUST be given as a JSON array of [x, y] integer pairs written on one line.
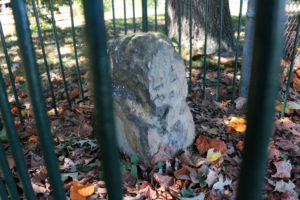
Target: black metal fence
[[262, 95]]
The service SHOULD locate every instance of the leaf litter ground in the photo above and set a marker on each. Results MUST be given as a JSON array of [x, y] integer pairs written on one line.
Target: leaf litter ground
[[206, 170]]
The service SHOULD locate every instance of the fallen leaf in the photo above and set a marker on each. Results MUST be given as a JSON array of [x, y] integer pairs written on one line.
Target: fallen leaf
[[74, 194], [240, 145], [33, 138], [213, 156], [283, 169], [221, 183], [14, 110], [201, 196], [146, 190], [51, 112], [293, 105], [273, 152], [164, 180], [85, 130], [204, 143], [282, 186], [241, 103], [164, 153], [237, 125], [285, 196], [211, 178], [80, 192], [19, 78], [69, 165], [74, 93], [296, 83], [298, 73], [87, 190], [183, 173]]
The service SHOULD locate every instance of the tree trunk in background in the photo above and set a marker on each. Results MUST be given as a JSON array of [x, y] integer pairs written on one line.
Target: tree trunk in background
[[248, 49], [199, 23]]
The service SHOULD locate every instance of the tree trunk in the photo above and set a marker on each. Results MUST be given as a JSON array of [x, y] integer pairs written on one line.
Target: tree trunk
[[198, 22]]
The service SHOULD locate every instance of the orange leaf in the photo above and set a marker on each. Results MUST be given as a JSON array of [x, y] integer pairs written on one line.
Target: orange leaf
[[14, 110], [33, 138], [237, 125], [74, 194], [19, 78], [204, 143], [83, 190], [87, 190]]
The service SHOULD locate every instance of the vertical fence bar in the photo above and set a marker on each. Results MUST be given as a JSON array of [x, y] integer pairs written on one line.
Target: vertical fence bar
[[145, 15], [59, 54], [291, 68], [219, 52], [102, 90], [37, 100], [155, 13], [205, 48], [262, 95], [237, 52], [75, 51], [8, 177], [3, 194], [191, 45], [44, 57], [14, 140], [125, 20], [179, 28], [114, 18], [133, 16], [166, 18], [11, 76]]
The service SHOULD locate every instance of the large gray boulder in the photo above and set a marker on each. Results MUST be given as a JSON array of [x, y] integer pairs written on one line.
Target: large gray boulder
[[150, 89]]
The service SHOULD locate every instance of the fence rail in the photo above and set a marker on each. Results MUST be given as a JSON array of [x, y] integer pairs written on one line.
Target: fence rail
[[263, 90]]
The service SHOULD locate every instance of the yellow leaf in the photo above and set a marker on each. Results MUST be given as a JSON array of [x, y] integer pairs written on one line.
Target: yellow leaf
[[279, 106], [237, 125], [51, 112], [25, 112], [85, 75], [213, 156]]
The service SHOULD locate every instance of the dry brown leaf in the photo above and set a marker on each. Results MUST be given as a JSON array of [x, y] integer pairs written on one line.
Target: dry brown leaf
[[240, 145], [283, 169], [237, 125], [296, 83], [164, 180], [284, 196], [84, 130], [164, 153], [204, 143], [274, 153], [74, 93]]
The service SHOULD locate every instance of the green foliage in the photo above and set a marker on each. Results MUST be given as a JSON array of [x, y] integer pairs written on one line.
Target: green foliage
[[132, 166]]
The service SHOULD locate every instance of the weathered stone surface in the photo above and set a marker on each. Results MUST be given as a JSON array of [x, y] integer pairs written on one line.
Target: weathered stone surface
[[150, 89]]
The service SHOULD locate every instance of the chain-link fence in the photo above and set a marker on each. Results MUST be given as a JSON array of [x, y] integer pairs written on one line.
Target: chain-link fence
[[292, 10]]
